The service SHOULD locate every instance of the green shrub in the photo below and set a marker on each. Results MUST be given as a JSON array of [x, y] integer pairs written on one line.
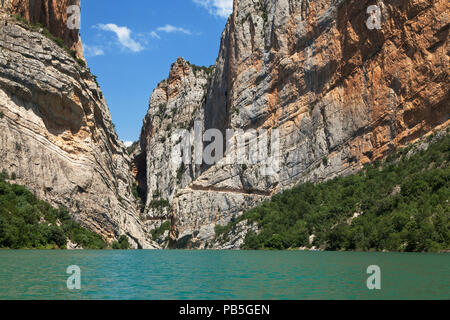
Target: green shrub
[[82, 63], [180, 172], [196, 69], [27, 222], [159, 204], [4, 175], [158, 232], [135, 192], [157, 194], [417, 218], [122, 244], [37, 27]]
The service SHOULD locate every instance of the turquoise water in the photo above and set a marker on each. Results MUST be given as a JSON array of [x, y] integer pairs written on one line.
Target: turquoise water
[[222, 275]]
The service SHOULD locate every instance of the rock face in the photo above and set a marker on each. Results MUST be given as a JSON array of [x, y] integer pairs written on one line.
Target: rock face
[[174, 104], [56, 135], [340, 95], [51, 14]]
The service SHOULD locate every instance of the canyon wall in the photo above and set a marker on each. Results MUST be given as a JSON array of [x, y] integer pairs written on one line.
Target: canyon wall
[[57, 137], [51, 14], [339, 93]]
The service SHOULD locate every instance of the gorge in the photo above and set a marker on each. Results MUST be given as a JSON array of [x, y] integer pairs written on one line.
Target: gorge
[[341, 96]]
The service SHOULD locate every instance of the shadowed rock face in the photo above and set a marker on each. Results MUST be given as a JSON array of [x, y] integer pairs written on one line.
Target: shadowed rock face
[[52, 14], [56, 135], [341, 96]]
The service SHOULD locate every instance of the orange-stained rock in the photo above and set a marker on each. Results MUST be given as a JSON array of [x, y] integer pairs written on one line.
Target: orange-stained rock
[[335, 89], [52, 14]]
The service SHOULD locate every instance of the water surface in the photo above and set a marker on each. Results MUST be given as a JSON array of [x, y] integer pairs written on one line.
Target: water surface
[[222, 275]]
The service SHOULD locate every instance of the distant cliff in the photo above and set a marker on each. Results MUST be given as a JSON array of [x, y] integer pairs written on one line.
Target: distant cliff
[[56, 133], [340, 94]]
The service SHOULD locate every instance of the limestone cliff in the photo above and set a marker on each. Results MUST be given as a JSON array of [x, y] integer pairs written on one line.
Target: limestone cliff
[[340, 94], [51, 14], [56, 133]]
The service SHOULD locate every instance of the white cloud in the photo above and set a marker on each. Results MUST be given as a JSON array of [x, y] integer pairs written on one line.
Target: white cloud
[[124, 36], [172, 29], [153, 34], [221, 8], [92, 51], [128, 143]]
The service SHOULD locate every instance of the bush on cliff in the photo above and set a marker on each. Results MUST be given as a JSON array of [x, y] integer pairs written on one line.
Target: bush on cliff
[[37, 27], [121, 244]]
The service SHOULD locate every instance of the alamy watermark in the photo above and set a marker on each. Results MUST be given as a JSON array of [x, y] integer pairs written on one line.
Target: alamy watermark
[[74, 281], [74, 17], [251, 147], [374, 21], [374, 281]]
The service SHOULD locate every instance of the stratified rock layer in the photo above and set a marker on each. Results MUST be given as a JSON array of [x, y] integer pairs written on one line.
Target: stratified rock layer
[[56, 135], [340, 94], [51, 14]]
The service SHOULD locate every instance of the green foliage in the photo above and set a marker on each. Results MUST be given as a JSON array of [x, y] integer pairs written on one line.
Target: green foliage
[[162, 108], [1, 115], [21, 19], [122, 244], [4, 175], [401, 205], [157, 194], [160, 204], [207, 70], [27, 222], [180, 173], [81, 62], [134, 189], [158, 232], [37, 27], [263, 10]]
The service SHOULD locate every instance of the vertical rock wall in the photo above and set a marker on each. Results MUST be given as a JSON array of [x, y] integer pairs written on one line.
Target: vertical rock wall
[[51, 14], [340, 94], [57, 136]]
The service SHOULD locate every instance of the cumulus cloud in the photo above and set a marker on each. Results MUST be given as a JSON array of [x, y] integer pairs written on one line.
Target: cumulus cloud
[[172, 29], [221, 8], [123, 35], [92, 51]]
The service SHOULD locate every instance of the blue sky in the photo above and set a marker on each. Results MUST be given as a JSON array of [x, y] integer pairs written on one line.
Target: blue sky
[[130, 46]]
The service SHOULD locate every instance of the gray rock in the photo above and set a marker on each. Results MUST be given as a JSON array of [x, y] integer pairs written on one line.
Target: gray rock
[[57, 136]]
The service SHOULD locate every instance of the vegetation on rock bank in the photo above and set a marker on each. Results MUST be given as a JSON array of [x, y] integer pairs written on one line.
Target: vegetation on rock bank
[[400, 204], [27, 222]]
